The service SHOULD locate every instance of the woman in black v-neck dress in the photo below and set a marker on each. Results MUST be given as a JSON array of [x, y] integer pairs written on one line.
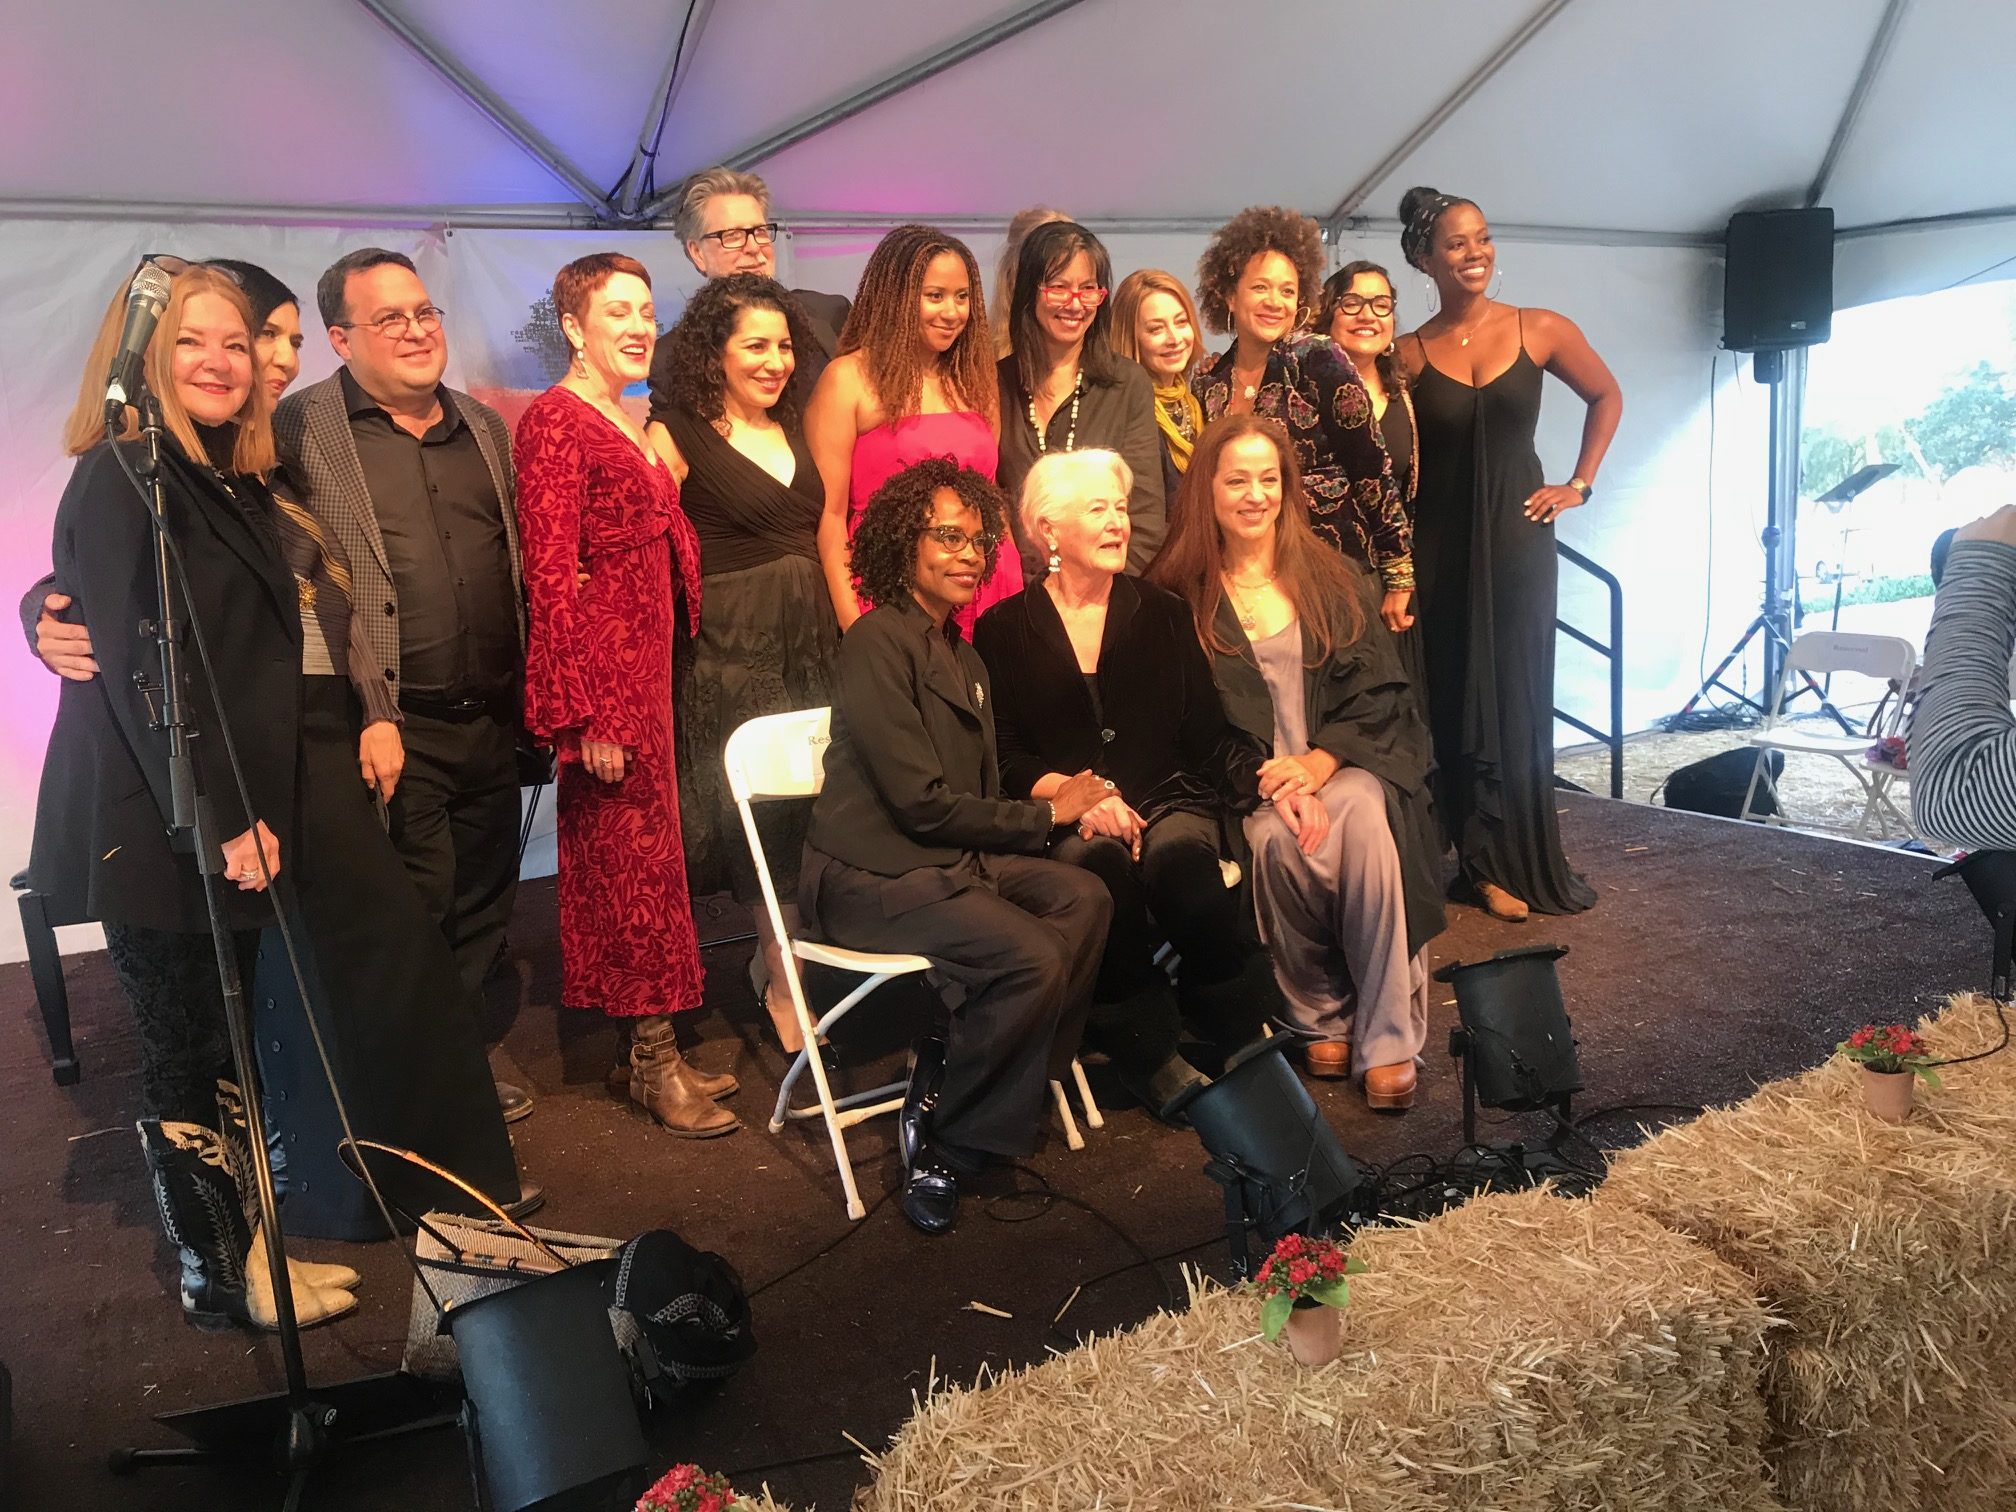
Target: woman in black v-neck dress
[[1485, 559], [726, 420]]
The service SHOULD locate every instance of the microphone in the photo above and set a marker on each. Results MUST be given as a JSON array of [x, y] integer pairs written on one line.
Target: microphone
[[145, 301]]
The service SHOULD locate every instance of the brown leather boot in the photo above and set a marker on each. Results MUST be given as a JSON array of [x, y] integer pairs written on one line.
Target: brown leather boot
[[1500, 904], [715, 1087], [1390, 1087], [658, 1088]]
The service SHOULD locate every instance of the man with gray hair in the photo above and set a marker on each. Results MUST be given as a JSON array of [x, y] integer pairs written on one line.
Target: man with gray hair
[[724, 221]]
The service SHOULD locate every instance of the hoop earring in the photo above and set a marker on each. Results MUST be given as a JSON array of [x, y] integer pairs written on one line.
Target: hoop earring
[[1496, 283], [1432, 297], [1303, 315]]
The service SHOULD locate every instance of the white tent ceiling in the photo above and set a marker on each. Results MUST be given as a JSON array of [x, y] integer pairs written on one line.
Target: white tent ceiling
[[1615, 120]]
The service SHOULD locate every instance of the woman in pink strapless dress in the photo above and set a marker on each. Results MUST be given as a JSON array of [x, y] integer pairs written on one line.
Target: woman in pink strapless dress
[[914, 378]]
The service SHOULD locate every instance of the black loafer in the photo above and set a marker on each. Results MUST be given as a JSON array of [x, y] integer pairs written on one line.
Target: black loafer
[[919, 1098], [515, 1101], [931, 1196]]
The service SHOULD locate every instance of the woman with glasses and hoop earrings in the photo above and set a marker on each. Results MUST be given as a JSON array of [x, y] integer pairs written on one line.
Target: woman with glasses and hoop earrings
[[1254, 280], [1063, 388], [1360, 313], [914, 378], [1488, 564]]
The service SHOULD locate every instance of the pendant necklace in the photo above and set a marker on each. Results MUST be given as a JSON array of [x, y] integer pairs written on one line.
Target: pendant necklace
[[1070, 431], [1471, 329], [1249, 619]]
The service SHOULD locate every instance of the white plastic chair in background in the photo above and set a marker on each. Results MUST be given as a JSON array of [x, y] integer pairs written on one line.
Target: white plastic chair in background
[[1887, 658]]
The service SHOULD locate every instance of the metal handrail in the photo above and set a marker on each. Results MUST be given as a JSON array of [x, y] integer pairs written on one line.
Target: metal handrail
[[1615, 652]]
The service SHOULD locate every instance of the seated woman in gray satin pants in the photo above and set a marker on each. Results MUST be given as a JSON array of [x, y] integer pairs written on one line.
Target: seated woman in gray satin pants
[[1345, 864], [914, 847]]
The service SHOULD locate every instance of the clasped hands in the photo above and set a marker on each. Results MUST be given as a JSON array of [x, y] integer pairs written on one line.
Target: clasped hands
[[1293, 784]]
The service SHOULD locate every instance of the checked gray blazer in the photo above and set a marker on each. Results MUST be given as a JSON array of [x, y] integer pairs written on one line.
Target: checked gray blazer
[[312, 430]]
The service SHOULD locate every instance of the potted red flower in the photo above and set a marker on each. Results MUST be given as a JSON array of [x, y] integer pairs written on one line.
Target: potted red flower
[[1893, 1059], [1303, 1288], [688, 1488]]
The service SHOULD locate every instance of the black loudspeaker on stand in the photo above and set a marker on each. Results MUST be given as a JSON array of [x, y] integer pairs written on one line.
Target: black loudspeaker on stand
[[300, 1427], [1777, 300]]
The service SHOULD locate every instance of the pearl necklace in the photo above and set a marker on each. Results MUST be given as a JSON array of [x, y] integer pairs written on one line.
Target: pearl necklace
[[1070, 431]]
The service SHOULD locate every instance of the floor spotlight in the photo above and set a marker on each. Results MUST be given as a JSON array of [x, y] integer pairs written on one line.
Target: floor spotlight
[[1515, 1043], [1280, 1162]]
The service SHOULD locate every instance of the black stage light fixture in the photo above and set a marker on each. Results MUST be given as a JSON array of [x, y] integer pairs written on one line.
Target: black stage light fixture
[[1515, 1043], [1282, 1167], [550, 1419]]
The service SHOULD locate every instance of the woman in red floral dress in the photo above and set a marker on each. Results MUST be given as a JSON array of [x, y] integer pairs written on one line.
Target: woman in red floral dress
[[611, 566]]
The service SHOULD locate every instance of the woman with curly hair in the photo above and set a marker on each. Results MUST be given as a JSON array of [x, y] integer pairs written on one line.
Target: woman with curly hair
[[915, 846], [914, 378], [1488, 564], [1155, 324], [1345, 864], [1253, 281], [1063, 388], [724, 418]]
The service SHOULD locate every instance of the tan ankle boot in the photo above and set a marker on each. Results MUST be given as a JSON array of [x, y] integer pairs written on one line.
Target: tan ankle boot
[[1500, 904], [312, 1304], [658, 1088]]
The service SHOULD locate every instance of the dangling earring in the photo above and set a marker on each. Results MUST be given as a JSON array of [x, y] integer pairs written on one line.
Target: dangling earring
[[581, 360], [1056, 562], [1303, 315], [1497, 283]]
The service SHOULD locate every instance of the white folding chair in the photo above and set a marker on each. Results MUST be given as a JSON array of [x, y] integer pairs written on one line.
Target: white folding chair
[[783, 756], [1887, 658]]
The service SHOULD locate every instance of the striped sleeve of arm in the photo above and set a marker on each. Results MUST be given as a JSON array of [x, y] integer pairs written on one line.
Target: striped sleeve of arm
[[1962, 745]]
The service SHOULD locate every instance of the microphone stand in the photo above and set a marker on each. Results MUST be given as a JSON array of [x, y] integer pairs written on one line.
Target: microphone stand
[[299, 1426]]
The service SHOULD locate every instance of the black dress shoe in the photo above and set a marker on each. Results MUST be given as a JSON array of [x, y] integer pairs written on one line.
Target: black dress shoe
[[920, 1098], [515, 1101], [530, 1199], [931, 1196]]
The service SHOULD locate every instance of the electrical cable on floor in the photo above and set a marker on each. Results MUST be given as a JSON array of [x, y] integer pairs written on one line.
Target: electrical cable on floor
[[2001, 1013], [854, 1226]]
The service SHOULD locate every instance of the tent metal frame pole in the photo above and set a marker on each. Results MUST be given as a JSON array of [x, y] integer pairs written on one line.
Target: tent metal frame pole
[[969, 46], [1994, 215], [1506, 51], [686, 42], [1858, 97], [500, 115]]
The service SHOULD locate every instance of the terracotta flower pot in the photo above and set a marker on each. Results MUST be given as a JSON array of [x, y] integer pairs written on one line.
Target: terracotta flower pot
[[1887, 1094], [1315, 1333]]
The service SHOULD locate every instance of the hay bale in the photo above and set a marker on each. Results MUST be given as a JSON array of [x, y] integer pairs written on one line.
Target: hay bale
[[1889, 1250], [1522, 1352]]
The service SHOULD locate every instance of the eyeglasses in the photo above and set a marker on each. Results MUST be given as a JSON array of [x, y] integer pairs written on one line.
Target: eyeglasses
[[735, 238], [1381, 305], [1063, 296], [426, 320], [953, 539]]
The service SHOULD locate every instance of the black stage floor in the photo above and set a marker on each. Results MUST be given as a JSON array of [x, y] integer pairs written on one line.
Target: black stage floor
[[1720, 956]]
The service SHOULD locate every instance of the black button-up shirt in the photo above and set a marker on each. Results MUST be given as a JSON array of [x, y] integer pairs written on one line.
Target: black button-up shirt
[[445, 546]]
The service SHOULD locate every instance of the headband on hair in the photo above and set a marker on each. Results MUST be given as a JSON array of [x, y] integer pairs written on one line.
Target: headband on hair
[[1418, 235]]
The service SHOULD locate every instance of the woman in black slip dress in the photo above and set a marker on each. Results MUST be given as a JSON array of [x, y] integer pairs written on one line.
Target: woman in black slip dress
[[1484, 553]]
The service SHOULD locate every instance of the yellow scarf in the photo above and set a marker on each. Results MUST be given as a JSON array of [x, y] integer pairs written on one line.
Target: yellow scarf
[[1181, 418]]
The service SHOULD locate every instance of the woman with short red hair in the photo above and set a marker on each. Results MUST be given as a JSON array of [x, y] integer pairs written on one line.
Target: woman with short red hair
[[609, 556]]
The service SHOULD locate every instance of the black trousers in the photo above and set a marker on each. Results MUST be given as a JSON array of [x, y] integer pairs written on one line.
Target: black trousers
[[455, 825], [1021, 935], [170, 982]]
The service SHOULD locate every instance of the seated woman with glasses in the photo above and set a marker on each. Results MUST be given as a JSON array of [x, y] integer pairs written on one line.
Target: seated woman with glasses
[[913, 379], [1063, 387], [1254, 280], [1095, 670], [915, 846], [1346, 874]]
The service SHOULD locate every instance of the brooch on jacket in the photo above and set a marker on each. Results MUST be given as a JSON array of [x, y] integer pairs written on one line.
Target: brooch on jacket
[[979, 696]]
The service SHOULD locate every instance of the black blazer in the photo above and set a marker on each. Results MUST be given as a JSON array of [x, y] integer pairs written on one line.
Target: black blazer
[[1362, 711], [1159, 733], [911, 779], [101, 848]]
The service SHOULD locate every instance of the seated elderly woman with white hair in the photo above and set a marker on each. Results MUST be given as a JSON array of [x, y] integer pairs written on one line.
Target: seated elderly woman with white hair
[[1097, 671]]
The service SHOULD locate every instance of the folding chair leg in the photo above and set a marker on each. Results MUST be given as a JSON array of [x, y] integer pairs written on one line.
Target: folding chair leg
[[1072, 1138], [1092, 1114]]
